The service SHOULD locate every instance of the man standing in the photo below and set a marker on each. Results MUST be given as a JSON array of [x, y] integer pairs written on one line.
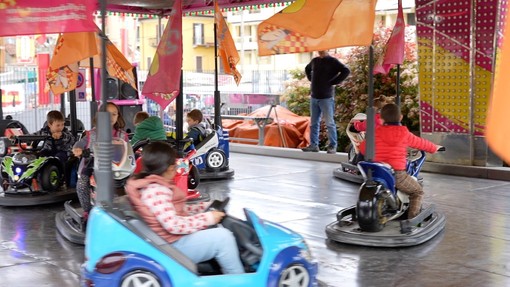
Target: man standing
[[324, 72]]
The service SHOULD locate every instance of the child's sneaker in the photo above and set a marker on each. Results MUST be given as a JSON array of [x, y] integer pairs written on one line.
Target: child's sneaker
[[331, 149]]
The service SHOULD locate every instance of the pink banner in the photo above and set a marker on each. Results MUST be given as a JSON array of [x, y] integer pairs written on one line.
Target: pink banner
[[23, 17], [163, 82], [394, 50]]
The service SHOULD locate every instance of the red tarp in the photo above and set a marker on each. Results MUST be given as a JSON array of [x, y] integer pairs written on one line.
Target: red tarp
[[294, 129]]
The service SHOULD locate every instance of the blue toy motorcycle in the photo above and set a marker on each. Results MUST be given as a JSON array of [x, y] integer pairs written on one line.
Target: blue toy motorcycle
[[379, 201], [381, 206]]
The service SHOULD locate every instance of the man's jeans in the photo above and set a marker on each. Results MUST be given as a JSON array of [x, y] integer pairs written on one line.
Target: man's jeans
[[326, 107]]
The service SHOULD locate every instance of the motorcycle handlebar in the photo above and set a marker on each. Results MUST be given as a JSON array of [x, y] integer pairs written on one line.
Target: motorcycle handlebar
[[30, 138]]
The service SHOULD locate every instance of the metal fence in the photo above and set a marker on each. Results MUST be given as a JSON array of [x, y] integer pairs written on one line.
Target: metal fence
[[21, 98]]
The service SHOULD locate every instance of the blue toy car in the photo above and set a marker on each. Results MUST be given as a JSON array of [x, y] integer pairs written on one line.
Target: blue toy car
[[212, 154], [121, 250]]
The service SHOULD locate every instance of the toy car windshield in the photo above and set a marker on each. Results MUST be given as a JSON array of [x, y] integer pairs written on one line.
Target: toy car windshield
[[118, 150]]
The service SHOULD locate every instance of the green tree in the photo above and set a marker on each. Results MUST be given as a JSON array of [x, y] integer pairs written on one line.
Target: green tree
[[351, 96]]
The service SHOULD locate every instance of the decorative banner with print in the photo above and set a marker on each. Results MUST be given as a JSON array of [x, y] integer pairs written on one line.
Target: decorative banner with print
[[27, 17], [163, 82], [227, 48], [395, 47], [313, 25]]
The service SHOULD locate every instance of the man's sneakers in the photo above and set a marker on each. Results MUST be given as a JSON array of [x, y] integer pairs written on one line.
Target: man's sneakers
[[311, 148]]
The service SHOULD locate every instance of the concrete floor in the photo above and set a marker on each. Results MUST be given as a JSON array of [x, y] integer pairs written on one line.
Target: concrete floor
[[303, 195]]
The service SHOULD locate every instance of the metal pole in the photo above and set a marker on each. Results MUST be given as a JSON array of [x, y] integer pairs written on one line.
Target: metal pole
[[397, 98], [26, 87], [472, 84], [93, 101], [217, 96], [369, 156], [158, 39], [179, 113], [72, 110], [103, 156], [1, 108], [63, 104]]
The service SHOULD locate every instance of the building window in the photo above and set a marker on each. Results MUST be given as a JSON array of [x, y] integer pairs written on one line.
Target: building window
[[237, 31], [247, 58], [157, 29], [198, 64], [198, 34], [265, 60], [247, 33], [305, 58], [149, 62], [25, 53], [411, 19], [383, 20]]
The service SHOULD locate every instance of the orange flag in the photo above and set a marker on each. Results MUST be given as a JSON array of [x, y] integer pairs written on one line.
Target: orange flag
[[395, 47], [312, 25], [118, 66], [227, 48], [163, 82], [498, 130], [62, 75]]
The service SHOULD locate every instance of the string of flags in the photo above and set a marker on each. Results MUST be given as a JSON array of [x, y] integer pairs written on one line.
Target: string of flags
[[199, 13]]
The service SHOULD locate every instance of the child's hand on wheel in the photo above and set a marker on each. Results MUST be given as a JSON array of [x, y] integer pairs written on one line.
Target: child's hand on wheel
[[218, 216]]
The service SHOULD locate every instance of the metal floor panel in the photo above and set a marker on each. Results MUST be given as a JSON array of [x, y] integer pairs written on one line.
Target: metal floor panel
[[304, 196]]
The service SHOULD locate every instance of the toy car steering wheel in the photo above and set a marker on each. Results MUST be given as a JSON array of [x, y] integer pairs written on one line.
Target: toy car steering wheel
[[245, 235], [15, 125], [140, 144], [218, 205]]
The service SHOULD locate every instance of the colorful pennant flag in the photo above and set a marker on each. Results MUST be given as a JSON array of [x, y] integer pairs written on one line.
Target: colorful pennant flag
[[118, 66], [311, 25], [498, 130], [227, 48], [70, 49], [163, 81], [394, 50]]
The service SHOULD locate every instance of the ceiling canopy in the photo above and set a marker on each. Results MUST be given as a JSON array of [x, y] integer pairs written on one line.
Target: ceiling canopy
[[163, 7]]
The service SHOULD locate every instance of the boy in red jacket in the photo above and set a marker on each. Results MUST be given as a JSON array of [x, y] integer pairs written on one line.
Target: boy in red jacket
[[391, 142]]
